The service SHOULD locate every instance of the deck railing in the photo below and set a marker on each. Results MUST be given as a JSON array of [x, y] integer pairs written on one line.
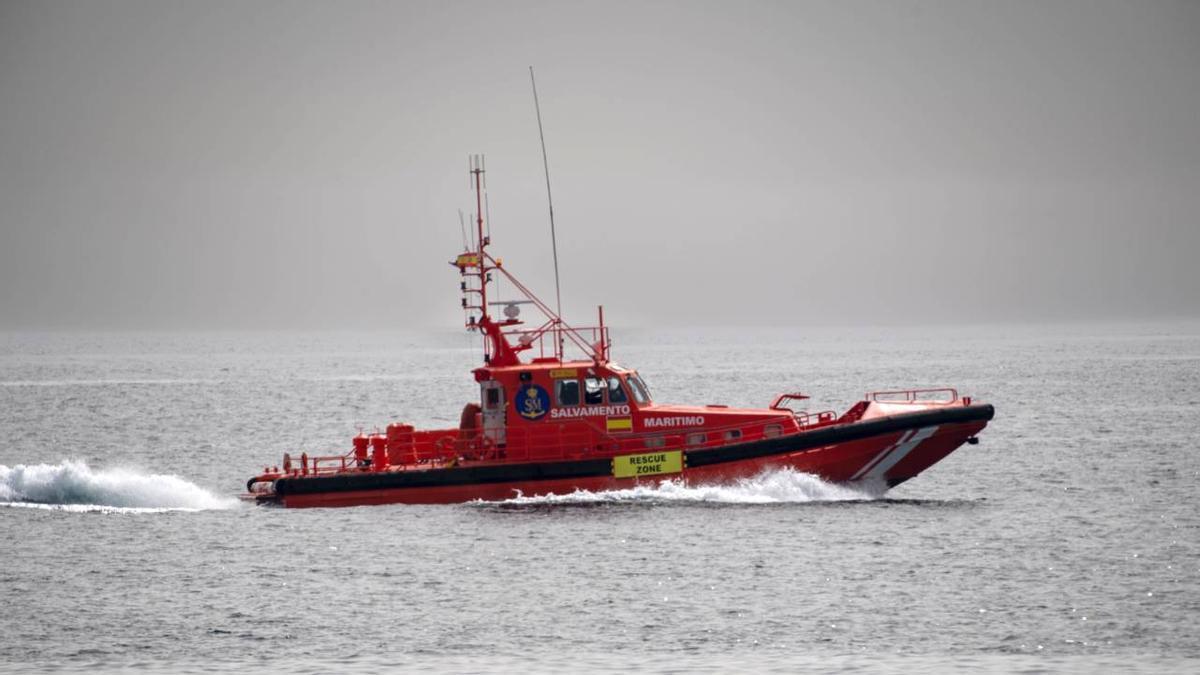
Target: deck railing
[[544, 339], [914, 396], [577, 439]]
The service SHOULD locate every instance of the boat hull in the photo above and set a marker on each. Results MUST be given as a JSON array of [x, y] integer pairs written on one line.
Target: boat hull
[[885, 451]]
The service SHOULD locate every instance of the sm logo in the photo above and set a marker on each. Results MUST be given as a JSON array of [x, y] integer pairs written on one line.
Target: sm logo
[[533, 402]]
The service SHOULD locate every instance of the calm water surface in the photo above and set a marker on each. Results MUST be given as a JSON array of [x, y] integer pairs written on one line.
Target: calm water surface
[[1067, 540]]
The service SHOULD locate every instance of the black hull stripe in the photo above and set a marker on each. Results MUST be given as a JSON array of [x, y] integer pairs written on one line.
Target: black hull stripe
[[587, 468], [467, 475]]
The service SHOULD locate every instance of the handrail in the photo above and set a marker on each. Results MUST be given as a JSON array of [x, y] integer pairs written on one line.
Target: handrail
[[528, 338], [912, 395], [558, 440], [777, 404], [823, 417], [587, 436]]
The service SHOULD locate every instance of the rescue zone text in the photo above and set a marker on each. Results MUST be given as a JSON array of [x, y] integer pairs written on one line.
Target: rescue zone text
[[648, 464]]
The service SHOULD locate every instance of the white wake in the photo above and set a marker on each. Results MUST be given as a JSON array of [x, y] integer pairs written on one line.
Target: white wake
[[781, 486], [74, 486]]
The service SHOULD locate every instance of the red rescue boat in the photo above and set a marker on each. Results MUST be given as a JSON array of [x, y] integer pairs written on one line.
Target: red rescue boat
[[559, 422]]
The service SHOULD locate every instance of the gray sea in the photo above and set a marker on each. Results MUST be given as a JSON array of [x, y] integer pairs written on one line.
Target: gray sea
[[1068, 540]]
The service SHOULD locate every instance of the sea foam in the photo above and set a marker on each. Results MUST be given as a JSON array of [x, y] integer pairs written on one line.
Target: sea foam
[[781, 486], [74, 486]]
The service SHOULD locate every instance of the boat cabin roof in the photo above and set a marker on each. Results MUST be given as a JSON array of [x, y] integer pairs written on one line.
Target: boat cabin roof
[[553, 367]]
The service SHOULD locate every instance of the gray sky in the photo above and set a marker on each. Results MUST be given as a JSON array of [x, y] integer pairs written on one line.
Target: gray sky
[[300, 165]]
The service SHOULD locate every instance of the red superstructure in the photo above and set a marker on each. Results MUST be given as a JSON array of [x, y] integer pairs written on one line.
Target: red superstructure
[[550, 424]]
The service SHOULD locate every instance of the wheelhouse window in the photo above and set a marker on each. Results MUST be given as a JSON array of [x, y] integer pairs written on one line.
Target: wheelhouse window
[[593, 390], [566, 392], [640, 393], [616, 393]]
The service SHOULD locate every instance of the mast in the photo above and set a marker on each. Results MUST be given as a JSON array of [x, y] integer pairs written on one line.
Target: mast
[[476, 262], [496, 348], [477, 172]]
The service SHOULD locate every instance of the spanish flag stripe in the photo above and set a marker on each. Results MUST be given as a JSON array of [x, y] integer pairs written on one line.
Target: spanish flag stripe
[[619, 423]]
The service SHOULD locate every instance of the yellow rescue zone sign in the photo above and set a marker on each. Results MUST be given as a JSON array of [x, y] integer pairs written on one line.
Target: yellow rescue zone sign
[[648, 464]]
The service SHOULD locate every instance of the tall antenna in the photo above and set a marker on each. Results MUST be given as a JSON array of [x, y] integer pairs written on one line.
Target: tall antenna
[[550, 202], [487, 214]]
